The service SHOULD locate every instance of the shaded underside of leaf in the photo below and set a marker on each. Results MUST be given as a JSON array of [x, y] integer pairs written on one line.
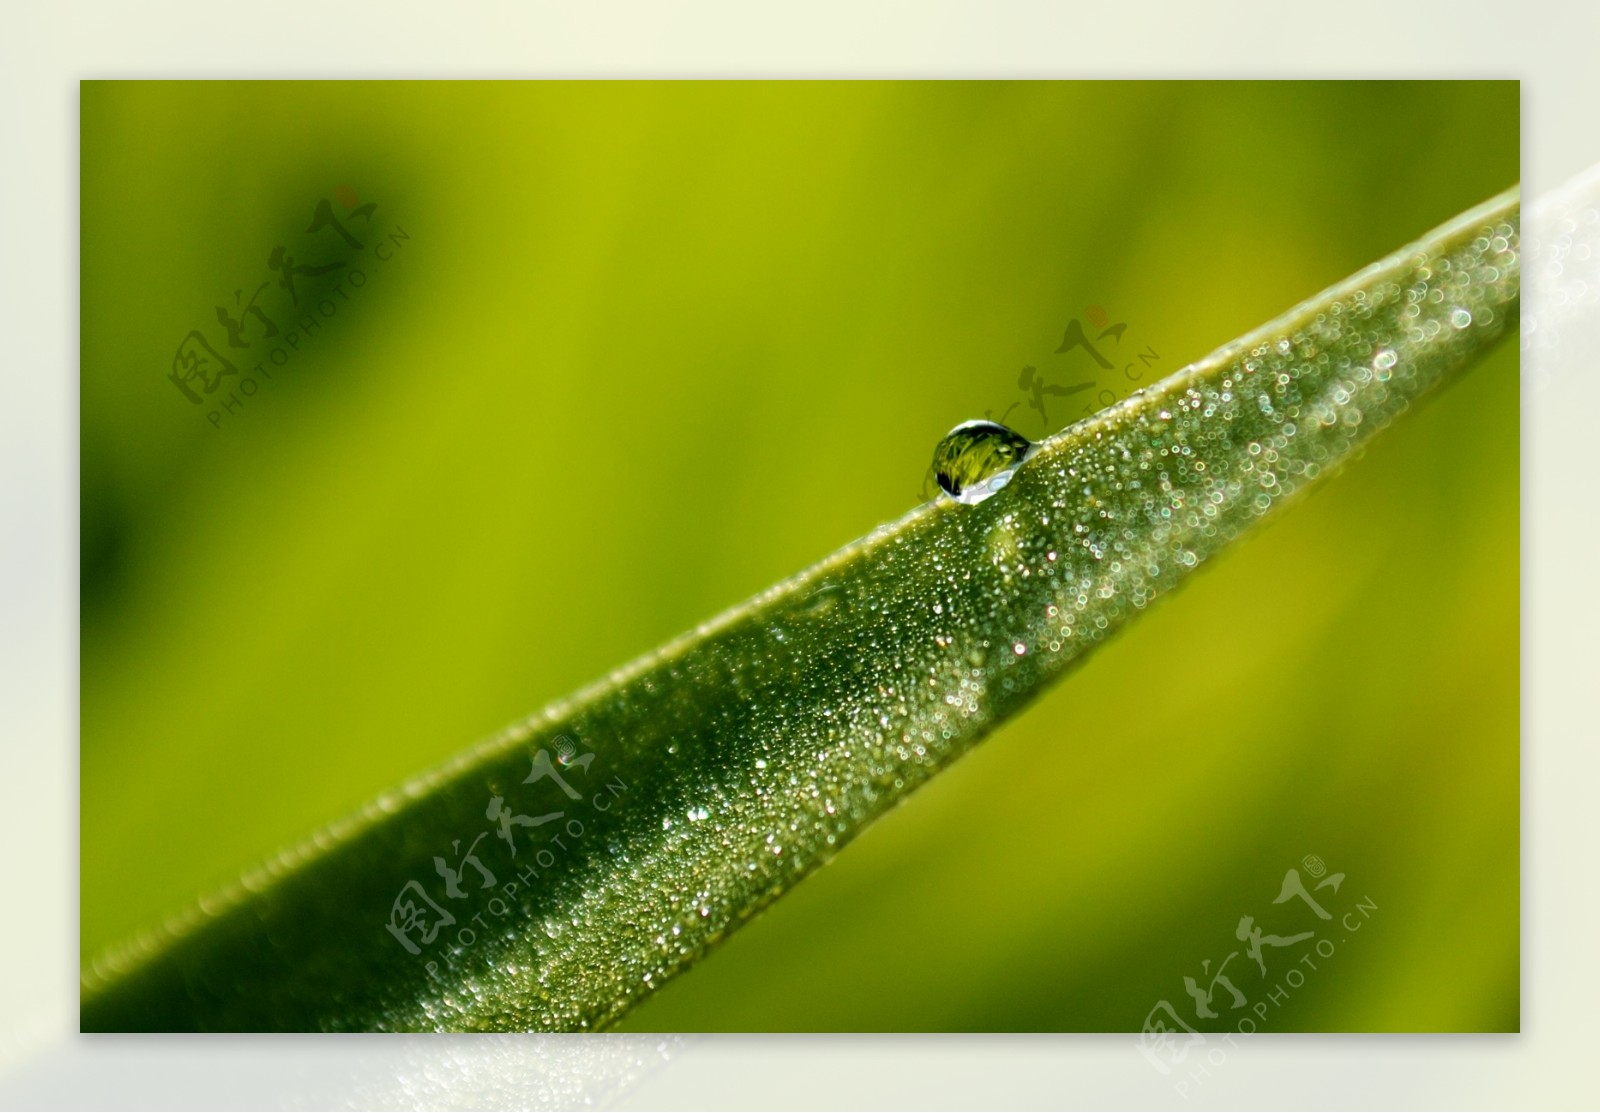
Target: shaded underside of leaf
[[551, 877]]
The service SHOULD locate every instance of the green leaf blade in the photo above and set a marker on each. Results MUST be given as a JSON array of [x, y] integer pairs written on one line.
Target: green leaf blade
[[732, 762]]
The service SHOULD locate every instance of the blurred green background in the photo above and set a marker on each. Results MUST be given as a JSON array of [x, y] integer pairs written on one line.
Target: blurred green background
[[648, 349]]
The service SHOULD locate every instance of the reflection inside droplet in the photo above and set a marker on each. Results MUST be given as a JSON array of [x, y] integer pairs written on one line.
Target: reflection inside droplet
[[977, 458]]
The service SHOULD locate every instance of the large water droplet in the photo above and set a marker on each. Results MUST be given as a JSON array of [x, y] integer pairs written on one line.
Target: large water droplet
[[977, 458]]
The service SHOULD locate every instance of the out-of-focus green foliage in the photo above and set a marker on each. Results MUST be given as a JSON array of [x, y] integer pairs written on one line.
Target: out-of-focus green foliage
[[646, 349]]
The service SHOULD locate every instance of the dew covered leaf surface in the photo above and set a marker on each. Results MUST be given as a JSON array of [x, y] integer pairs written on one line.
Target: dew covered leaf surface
[[567, 868]]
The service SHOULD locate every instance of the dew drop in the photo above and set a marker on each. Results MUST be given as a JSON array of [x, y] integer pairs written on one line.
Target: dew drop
[[1461, 318], [977, 458]]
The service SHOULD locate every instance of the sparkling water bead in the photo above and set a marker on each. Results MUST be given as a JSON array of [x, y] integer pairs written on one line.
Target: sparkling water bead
[[977, 458]]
